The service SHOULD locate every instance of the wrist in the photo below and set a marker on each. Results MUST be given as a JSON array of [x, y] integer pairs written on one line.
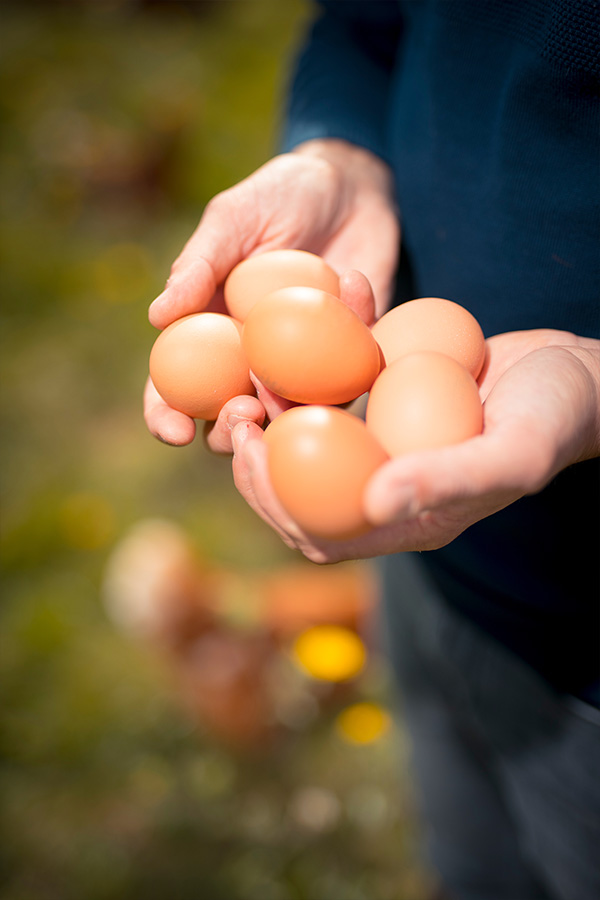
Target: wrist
[[364, 169]]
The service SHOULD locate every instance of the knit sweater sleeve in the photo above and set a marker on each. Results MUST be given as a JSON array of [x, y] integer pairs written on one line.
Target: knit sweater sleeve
[[341, 79]]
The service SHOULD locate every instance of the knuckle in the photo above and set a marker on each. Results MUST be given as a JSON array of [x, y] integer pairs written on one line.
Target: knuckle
[[220, 202]]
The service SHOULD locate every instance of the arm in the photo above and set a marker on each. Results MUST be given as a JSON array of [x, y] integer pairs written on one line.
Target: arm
[[541, 391]]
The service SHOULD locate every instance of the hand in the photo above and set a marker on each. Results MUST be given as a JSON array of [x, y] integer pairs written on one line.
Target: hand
[[541, 393], [327, 196]]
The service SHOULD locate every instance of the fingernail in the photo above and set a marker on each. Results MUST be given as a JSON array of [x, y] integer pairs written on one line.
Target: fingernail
[[234, 420], [165, 440], [236, 434]]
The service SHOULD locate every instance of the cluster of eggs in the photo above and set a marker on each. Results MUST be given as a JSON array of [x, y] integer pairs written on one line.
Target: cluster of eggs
[[418, 366]]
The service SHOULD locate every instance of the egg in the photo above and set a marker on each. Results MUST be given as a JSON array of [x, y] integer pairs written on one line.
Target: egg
[[432, 323], [307, 346], [259, 275], [421, 401], [319, 460], [197, 363]]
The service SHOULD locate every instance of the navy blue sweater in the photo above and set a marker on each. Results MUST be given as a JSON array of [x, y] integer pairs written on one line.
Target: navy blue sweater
[[488, 112]]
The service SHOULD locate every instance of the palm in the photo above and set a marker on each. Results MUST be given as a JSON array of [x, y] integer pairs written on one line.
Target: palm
[[540, 415]]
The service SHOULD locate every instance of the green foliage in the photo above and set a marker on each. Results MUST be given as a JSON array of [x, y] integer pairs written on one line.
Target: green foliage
[[119, 120]]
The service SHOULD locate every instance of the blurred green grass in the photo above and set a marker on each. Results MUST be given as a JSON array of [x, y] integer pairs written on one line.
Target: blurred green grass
[[118, 121]]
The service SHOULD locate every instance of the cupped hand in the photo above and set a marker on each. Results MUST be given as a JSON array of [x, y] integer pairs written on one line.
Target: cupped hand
[[328, 197], [541, 393]]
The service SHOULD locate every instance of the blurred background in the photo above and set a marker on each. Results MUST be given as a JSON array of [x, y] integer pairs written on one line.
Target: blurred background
[[188, 709]]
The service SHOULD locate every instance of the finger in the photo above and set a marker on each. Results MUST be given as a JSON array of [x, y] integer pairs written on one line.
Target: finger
[[516, 454], [168, 425], [403, 488], [505, 350], [189, 290], [251, 478], [240, 409], [221, 240], [357, 293], [272, 403], [251, 475]]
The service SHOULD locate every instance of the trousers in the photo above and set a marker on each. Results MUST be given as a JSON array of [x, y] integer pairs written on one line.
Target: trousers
[[506, 769]]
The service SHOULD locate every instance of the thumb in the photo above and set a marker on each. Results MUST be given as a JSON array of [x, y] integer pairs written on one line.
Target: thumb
[[221, 240]]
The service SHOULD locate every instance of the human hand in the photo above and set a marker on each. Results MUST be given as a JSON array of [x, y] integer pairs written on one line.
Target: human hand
[[328, 197], [541, 394]]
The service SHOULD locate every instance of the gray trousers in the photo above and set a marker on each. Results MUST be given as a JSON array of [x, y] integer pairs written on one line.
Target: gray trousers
[[508, 771]]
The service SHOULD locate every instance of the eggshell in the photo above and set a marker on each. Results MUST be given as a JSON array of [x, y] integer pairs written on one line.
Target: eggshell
[[320, 459], [421, 401], [259, 275], [431, 323], [307, 346], [197, 363]]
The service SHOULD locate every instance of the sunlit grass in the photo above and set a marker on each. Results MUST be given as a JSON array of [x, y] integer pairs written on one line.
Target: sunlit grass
[[119, 121]]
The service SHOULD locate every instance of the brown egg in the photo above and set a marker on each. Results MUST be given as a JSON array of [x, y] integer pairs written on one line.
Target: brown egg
[[319, 460], [307, 346], [423, 400], [197, 363], [259, 275], [431, 323]]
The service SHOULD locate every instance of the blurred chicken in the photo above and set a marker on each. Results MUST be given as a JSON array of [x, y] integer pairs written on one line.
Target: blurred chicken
[[239, 682], [155, 587]]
